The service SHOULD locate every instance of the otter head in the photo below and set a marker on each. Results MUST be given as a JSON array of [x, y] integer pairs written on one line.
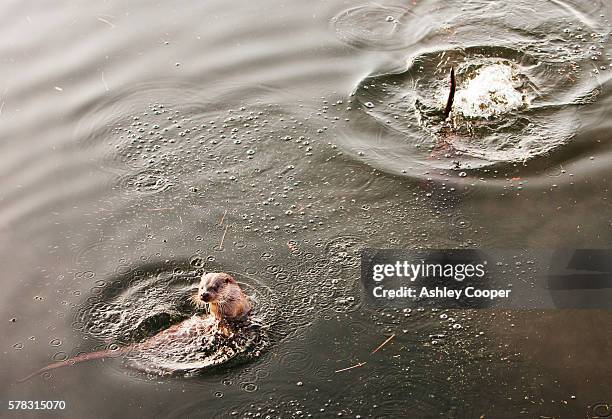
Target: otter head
[[213, 285], [223, 295]]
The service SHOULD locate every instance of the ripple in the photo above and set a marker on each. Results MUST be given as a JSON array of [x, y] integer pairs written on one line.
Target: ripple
[[462, 222], [518, 90], [197, 261], [140, 307], [60, 356], [601, 410], [119, 128], [87, 252], [298, 359], [167, 128], [249, 387], [147, 181], [412, 103], [370, 26], [345, 251], [393, 27]]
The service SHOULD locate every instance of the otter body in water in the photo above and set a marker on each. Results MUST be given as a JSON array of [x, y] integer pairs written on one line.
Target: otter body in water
[[228, 306], [224, 297]]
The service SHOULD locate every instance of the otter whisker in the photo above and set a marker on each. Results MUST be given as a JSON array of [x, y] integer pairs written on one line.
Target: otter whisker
[[196, 302]]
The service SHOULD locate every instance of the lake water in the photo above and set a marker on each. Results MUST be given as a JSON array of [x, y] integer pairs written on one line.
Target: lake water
[[142, 143]]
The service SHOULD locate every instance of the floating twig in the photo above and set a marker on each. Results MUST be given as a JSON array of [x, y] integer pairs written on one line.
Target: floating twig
[[223, 237], [223, 218], [361, 364], [451, 94], [384, 343]]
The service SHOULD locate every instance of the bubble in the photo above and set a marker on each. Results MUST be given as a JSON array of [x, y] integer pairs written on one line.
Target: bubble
[[462, 222], [197, 262], [60, 356], [273, 269], [123, 269], [249, 387], [345, 250], [601, 410]]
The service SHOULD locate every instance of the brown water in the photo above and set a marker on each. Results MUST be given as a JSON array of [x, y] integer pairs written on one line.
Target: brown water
[[143, 143]]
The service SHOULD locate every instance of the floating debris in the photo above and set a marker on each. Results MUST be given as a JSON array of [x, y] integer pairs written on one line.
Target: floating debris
[[361, 364], [451, 94], [383, 344]]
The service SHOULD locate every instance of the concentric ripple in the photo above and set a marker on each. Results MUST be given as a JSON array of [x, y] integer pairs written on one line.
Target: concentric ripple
[[141, 127], [139, 309], [400, 25], [371, 26], [520, 77]]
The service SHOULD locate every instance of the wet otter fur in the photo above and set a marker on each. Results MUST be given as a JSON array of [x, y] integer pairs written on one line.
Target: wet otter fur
[[218, 291], [223, 295]]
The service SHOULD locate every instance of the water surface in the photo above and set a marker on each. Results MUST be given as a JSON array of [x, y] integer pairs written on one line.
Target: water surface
[[142, 144]]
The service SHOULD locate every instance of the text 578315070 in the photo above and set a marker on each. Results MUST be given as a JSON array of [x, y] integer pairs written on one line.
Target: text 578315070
[[36, 405]]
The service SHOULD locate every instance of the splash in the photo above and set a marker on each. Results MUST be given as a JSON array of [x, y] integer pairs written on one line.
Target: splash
[[523, 69], [494, 90], [150, 311]]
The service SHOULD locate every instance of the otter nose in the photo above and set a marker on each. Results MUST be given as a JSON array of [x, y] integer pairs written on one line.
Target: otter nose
[[205, 296]]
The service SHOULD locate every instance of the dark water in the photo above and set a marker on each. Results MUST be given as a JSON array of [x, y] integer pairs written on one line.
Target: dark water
[[141, 144]]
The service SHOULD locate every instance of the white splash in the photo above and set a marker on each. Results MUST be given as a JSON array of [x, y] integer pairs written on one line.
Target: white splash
[[493, 91]]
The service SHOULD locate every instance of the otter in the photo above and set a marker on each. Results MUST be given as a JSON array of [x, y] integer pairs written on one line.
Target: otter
[[218, 291], [224, 297]]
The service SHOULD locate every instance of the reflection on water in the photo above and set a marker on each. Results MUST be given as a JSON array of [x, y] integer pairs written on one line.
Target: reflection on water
[[142, 144]]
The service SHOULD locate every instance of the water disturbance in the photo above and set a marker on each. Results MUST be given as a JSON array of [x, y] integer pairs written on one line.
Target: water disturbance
[[144, 144]]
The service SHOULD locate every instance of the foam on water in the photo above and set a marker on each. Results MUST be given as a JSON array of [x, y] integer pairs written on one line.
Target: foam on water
[[493, 91]]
